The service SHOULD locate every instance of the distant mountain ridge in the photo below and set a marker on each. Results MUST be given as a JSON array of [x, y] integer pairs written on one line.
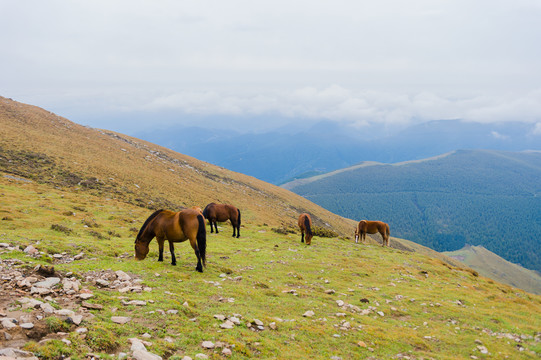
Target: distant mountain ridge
[[479, 197], [493, 266], [279, 156]]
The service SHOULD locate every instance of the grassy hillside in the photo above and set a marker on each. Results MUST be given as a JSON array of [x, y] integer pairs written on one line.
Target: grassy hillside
[[74, 198], [367, 301], [491, 265], [47, 148], [478, 197]]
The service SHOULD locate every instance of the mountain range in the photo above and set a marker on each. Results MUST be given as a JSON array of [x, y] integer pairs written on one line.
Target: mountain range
[[281, 155], [475, 197]]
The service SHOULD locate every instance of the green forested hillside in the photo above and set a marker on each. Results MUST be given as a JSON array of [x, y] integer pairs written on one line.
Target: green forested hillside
[[473, 197]]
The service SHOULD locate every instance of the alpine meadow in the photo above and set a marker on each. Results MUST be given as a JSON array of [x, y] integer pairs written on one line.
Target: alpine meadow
[[74, 198]]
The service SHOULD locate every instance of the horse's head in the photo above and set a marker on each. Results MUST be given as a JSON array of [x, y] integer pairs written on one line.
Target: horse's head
[[141, 249]]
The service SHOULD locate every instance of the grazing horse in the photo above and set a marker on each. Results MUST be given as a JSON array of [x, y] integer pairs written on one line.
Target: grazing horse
[[305, 223], [372, 227], [175, 227], [223, 212]]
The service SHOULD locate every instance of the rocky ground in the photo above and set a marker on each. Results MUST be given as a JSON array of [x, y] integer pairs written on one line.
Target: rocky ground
[[32, 298]]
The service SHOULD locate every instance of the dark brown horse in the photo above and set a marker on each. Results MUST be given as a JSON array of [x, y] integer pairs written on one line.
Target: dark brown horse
[[175, 227], [305, 223], [220, 213], [371, 227]]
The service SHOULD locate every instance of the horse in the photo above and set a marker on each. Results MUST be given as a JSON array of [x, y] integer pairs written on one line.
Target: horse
[[223, 212], [305, 223], [187, 224], [372, 227]]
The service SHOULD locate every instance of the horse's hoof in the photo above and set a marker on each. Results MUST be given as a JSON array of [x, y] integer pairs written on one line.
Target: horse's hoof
[[199, 270], [174, 264]]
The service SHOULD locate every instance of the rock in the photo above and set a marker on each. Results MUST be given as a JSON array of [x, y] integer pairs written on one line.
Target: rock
[[136, 344], [27, 326], [65, 312], [187, 358], [102, 283], [12, 353], [309, 313], [219, 317], [9, 323], [226, 352], [145, 355], [201, 356], [47, 308], [235, 320], [257, 322], [85, 296], [207, 345], [48, 283], [91, 306], [122, 276], [31, 250], [120, 319], [227, 325], [76, 319], [330, 291], [340, 303]]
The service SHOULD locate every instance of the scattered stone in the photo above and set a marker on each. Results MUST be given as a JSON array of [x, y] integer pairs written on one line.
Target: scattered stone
[[27, 326], [309, 313], [207, 345], [227, 325], [227, 352], [201, 356], [122, 276], [120, 319], [91, 306]]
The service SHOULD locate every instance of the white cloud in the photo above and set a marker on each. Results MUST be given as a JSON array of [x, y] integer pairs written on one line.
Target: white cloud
[[390, 61]]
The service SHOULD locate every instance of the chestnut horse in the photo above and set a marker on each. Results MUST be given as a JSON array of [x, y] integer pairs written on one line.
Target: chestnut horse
[[187, 224], [223, 212], [305, 223], [372, 227]]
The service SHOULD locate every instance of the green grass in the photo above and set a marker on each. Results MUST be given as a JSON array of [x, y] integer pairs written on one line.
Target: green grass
[[417, 295]]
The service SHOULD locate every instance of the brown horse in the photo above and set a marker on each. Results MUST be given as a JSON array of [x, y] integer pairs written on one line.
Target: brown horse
[[372, 227], [305, 223], [174, 227], [223, 212]]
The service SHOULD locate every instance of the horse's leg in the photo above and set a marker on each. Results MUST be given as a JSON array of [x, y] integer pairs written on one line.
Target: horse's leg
[[211, 229], [238, 230], [199, 266], [216, 226], [234, 228], [172, 250], [382, 232], [160, 246], [302, 236]]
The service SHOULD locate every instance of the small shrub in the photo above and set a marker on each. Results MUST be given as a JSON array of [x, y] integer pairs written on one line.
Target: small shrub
[[283, 231], [324, 232], [49, 350], [61, 228], [55, 324], [101, 339]]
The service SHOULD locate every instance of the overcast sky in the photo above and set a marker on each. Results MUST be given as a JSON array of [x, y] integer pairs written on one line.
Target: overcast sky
[[109, 63]]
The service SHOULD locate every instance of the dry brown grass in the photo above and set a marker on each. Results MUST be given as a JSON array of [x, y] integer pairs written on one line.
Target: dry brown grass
[[38, 144]]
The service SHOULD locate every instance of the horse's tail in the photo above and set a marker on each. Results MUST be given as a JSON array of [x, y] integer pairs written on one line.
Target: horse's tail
[[238, 220], [202, 238], [147, 221], [307, 226]]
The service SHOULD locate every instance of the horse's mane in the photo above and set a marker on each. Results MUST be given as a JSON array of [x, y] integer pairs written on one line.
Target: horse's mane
[[154, 214], [307, 226], [205, 212]]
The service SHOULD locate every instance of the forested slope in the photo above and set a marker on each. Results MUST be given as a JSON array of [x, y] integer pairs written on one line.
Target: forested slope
[[476, 197]]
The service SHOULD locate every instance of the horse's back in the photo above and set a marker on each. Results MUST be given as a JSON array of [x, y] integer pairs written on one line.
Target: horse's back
[[302, 220]]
